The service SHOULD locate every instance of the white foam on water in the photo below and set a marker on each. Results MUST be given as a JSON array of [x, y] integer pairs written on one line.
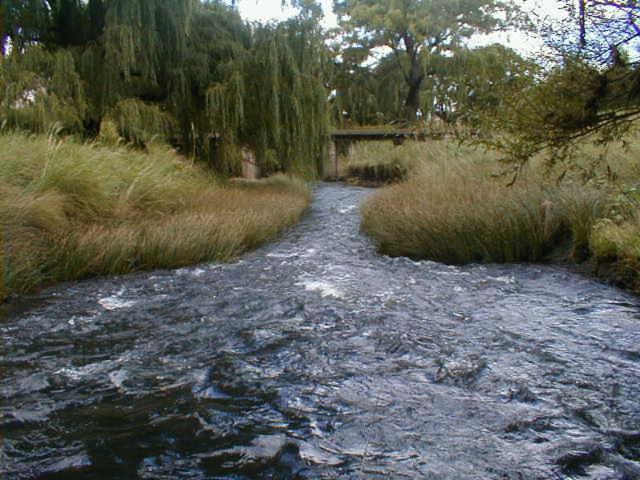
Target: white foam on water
[[81, 319], [281, 255], [192, 272], [116, 301], [113, 303], [72, 373], [306, 253], [347, 209], [314, 454], [325, 289], [504, 279], [86, 370], [117, 378]]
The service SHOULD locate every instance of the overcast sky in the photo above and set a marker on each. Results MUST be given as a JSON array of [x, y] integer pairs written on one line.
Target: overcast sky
[[265, 10]]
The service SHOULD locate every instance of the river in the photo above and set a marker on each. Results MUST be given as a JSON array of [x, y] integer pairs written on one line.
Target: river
[[314, 357]]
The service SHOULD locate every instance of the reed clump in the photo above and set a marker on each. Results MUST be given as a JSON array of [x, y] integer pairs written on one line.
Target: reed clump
[[71, 210], [453, 208], [380, 163], [616, 250]]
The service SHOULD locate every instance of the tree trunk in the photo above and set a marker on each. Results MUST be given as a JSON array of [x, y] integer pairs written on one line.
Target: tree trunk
[[412, 101], [413, 77], [582, 21]]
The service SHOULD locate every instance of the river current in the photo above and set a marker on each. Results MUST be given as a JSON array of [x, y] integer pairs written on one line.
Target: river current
[[316, 358]]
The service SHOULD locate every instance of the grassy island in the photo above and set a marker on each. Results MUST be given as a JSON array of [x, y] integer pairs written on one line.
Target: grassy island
[[454, 208]]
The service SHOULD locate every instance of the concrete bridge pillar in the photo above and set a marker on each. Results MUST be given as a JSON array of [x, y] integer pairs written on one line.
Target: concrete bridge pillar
[[337, 149], [350, 150], [332, 170], [250, 169]]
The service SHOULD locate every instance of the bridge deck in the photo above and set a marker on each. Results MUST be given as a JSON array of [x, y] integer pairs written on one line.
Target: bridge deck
[[376, 134]]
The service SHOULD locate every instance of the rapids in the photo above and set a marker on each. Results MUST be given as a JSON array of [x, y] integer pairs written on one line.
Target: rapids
[[314, 357]]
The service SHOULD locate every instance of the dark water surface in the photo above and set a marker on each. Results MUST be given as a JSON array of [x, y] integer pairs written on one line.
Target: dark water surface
[[316, 358]]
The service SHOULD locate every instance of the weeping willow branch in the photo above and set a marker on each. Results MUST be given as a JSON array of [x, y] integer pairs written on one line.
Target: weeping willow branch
[[177, 70], [275, 101]]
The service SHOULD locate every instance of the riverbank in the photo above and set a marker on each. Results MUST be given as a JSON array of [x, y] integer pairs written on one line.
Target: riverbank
[[269, 360], [453, 208], [71, 210]]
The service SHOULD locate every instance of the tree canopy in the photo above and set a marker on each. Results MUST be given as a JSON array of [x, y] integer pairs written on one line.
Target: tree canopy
[[190, 72], [417, 32], [182, 70]]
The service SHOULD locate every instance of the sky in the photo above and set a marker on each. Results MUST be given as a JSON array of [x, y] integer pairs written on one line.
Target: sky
[[526, 44]]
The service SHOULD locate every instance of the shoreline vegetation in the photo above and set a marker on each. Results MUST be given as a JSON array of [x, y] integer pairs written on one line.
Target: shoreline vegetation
[[452, 206], [72, 210], [195, 75], [376, 164]]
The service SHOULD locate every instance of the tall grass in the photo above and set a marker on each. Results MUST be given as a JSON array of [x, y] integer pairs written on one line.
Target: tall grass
[[453, 209], [70, 210], [381, 162], [616, 250]]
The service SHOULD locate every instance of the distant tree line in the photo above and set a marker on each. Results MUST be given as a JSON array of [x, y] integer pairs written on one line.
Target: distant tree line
[[192, 71], [423, 68], [409, 61]]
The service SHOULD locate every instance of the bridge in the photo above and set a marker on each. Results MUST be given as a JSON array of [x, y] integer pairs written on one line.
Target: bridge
[[340, 144], [378, 134]]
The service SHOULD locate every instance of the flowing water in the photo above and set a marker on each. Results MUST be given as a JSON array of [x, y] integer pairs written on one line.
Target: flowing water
[[314, 357]]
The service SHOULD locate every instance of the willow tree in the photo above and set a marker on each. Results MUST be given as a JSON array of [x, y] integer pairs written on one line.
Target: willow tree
[[22, 22], [473, 84], [416, 31], [177, 69], [143, 65], [138, 56], [465, 86], [39, 89], [274, 99], [121, 48], [365, 94]]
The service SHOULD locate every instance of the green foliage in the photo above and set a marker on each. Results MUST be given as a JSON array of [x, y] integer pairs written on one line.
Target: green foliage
[[472, 84], [39, 88], [138, 122], [573, 104], [462, 87], [366, 95], [587, 91], [418, 32], [176, 70], [287, 131]]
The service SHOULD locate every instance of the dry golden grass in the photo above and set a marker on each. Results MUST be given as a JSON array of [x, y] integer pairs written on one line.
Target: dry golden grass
[[381, 162], [616, 249], [454, 210], [71, 210]]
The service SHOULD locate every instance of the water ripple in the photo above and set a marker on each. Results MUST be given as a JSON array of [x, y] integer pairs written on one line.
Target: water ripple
[[314, 357]]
